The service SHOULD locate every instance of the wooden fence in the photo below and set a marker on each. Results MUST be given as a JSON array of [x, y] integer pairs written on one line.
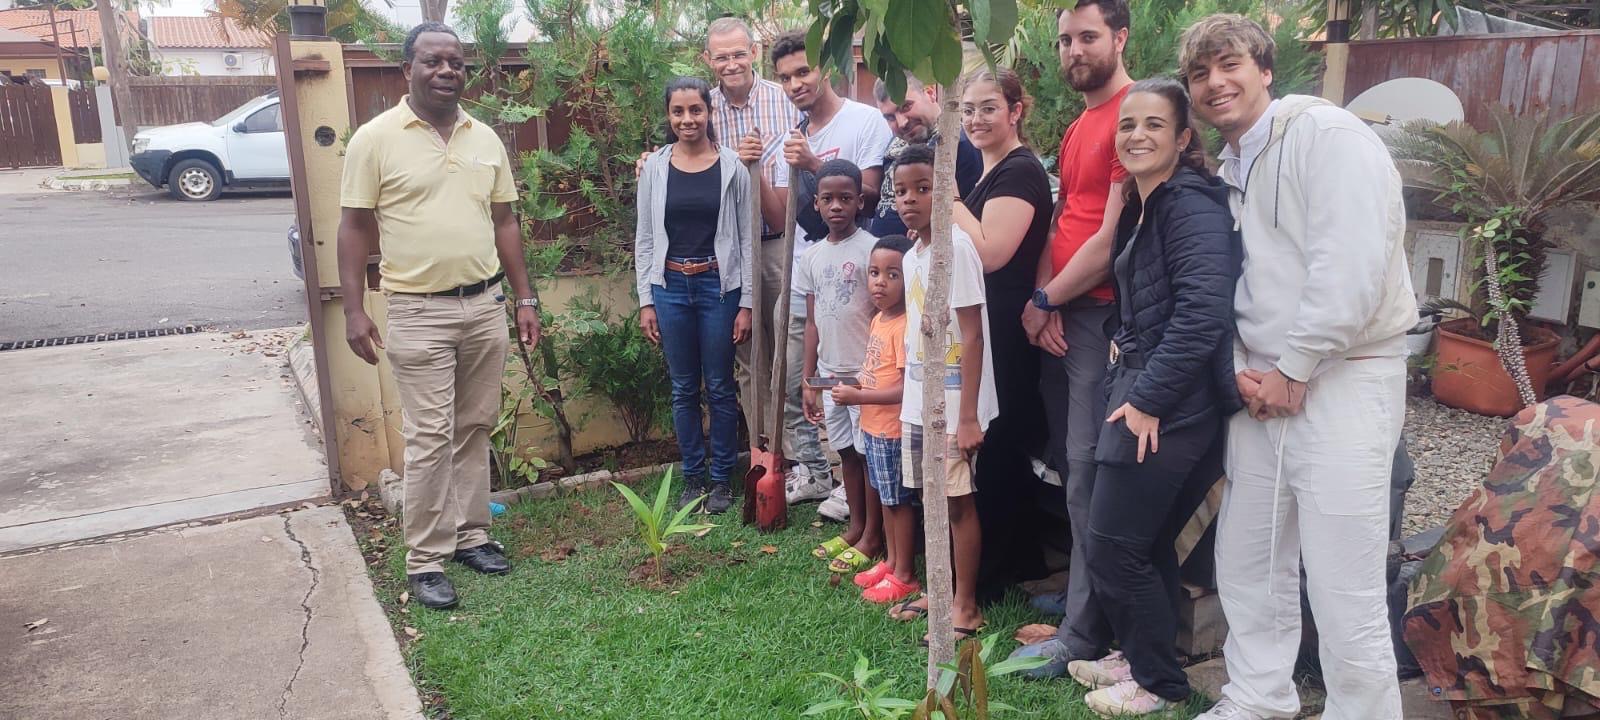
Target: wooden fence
[[85, 115], [28, 127], [172, 100], [1559, 72]]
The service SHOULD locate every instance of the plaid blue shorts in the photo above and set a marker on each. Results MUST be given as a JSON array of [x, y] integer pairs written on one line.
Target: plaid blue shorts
[[883, 469]]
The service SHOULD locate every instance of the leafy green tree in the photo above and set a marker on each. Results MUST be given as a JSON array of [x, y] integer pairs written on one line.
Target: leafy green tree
[[1155, 27], [347, 19]]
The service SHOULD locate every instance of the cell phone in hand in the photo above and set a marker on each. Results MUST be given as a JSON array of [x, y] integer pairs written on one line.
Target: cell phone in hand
[[823, 383]]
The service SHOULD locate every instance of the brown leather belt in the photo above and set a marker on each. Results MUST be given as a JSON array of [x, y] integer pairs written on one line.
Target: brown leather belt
[[692, 267]]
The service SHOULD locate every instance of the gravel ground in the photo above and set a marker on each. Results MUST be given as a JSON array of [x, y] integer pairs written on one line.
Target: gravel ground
[[1453, 451]]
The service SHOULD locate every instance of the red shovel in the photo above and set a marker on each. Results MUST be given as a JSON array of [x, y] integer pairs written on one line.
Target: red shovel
[[765, 502]]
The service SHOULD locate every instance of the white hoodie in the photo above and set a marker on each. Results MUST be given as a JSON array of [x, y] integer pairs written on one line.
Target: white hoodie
[[1325, 273]]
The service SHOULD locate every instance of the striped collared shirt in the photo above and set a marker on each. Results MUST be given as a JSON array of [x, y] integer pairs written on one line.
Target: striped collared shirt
[[767, 109]]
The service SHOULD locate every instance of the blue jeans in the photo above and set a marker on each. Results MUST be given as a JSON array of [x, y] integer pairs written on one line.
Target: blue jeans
[[696, 321]]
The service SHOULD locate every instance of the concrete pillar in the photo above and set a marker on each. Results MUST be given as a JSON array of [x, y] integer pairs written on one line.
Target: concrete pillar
[[116, 150], [361, 413], [64, 130], [1336, 51]]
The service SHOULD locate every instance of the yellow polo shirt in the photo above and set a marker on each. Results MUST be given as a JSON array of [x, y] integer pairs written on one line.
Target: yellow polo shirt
[[431, 197]]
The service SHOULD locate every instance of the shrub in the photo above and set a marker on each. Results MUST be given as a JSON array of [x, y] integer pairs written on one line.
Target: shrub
[[615, 360]]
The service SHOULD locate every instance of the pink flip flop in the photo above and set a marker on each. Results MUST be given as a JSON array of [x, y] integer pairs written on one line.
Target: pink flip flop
[[868, 578], [890, 589]]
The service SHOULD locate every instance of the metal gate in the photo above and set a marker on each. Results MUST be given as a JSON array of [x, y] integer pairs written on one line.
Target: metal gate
[[28, 127]]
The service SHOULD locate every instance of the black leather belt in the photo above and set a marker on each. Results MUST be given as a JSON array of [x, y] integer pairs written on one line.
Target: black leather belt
[[466, 290], [1129, 360], [771, 236]]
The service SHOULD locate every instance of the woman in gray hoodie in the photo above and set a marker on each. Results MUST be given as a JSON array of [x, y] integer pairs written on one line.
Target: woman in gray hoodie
[[691, 247]]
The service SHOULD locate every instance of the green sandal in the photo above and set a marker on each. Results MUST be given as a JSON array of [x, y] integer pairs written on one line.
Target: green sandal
[[849, 561], [830, 549]]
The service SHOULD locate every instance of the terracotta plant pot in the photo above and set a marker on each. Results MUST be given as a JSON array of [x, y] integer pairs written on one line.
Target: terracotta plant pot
[[1467, 374]]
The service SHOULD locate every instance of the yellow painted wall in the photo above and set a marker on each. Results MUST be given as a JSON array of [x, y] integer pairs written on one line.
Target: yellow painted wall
[[91, 155], [63, 109], [20, 66], [600, 425]]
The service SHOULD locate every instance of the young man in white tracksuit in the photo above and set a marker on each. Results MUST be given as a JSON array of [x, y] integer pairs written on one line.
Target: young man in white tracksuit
[[1322, 308]]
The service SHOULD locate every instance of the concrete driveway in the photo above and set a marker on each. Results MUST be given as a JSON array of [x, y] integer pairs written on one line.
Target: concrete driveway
[[105, 438], [134, 259]]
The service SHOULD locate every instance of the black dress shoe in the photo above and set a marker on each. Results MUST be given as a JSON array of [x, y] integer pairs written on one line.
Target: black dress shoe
[[433, 590], [485, 558], [720, 500]]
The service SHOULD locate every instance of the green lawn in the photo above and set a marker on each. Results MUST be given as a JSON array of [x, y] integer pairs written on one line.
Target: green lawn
[[736, 635]]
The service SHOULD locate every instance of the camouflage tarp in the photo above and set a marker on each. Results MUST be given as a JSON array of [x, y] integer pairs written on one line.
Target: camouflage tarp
[[1502, 616]]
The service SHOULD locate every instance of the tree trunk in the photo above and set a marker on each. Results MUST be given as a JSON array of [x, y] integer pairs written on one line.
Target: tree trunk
[[117, 66], [935, 426], [433, 10], [1369, 23]]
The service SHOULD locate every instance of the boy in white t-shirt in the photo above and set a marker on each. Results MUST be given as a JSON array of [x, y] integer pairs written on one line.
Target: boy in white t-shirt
[[832, 277], [970, 400]]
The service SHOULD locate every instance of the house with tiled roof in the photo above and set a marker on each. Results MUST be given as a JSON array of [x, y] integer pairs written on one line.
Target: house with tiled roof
[[79, 29], [210, 45], [28, 40]]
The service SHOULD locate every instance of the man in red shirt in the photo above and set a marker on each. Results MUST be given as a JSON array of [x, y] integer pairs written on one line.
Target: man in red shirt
[[1073, 303]]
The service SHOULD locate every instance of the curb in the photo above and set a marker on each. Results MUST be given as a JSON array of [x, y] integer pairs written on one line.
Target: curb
[[547, 488], [97, 184]]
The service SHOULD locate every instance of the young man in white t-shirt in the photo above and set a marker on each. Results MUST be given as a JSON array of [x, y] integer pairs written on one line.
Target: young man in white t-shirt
[[835, 127], [832, 277], [969, 379]]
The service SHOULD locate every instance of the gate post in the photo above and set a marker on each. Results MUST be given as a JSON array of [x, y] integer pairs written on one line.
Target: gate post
[[360, 411]]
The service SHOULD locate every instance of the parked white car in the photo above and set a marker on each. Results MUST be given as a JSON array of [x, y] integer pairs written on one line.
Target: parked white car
[[195, 161]]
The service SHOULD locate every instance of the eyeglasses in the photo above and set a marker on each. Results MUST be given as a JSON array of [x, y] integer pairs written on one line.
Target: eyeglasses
[[987, 112], [740, 56]]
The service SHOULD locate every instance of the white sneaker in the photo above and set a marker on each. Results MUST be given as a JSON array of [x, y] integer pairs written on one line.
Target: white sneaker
[[1226, 710], [1102, 673], [835, 508], [799, 486], [1125, 699]]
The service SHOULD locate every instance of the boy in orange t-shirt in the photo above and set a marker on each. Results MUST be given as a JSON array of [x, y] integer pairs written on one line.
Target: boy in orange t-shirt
[[882, 375]]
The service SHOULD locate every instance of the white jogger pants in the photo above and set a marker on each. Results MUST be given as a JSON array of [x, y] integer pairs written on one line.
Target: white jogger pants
[[1316, 486]]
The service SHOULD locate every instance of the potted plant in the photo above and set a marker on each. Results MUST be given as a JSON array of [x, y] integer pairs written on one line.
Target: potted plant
[[1503, 182]]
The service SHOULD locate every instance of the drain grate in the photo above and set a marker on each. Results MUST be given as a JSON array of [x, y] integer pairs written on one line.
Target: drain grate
[[98, 337]]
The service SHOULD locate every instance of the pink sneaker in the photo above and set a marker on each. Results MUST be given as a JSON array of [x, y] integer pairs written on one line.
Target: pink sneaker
[[869, 577], [1102, 673], [1125, 699]]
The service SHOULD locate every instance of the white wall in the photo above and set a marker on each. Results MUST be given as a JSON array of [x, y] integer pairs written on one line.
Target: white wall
[[186, 61]]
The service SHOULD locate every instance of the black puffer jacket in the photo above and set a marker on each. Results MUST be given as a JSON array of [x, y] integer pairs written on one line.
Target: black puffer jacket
[[1184, 268]]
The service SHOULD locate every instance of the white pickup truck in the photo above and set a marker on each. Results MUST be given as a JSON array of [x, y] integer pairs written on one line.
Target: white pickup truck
[[195, 161]]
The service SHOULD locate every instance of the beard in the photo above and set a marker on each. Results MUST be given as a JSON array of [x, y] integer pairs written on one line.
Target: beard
[[1091, 75]]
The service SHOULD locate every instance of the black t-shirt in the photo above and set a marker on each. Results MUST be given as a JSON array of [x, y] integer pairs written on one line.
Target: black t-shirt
[[1006, 291], [1019, 175], [694, 202]]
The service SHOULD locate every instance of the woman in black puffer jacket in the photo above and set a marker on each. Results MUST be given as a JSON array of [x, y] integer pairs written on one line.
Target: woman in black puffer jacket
[[1170, 385]]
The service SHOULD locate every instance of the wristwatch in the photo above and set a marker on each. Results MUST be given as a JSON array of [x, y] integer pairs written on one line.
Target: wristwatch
[[1042, 300], [528, 302]]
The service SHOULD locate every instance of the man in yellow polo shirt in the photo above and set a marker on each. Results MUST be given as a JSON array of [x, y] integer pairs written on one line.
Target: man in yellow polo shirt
[[432, 189]]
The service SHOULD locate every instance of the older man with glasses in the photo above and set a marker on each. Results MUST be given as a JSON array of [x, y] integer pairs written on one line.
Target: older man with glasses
[[743, 103]]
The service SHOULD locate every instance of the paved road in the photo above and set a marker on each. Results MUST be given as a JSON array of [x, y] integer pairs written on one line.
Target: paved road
[[89, 262]]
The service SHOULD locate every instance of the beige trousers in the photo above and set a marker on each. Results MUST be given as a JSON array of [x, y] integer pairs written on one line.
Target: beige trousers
[[449, 357]]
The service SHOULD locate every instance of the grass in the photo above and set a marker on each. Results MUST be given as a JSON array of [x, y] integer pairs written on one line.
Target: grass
[[735, 632]]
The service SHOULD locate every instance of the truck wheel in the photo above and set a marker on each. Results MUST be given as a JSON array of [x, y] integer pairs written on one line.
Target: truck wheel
[[194, 179]]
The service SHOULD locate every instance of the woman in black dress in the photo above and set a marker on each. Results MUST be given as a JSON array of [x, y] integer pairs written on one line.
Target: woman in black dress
[[1008, 216]]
